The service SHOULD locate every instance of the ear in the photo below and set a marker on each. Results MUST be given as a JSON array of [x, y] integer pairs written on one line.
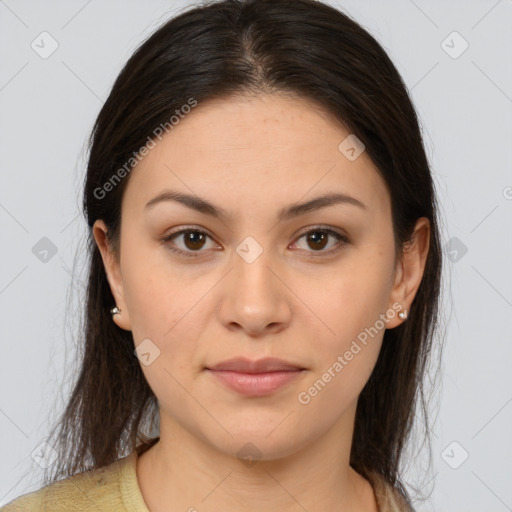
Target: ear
[[113, 271], [409, 270]]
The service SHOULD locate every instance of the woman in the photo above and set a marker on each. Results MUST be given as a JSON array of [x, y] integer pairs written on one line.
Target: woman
[[264, 273]]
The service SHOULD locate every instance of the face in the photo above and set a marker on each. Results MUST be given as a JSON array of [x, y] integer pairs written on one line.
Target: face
[[315, 287]]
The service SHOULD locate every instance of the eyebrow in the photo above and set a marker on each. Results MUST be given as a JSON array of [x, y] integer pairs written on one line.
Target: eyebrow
[[293, 210]]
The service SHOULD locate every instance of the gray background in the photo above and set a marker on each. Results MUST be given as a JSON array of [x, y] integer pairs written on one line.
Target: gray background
[[464, 100]]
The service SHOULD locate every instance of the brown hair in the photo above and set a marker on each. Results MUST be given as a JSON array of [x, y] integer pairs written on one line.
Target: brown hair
[[219, 50]]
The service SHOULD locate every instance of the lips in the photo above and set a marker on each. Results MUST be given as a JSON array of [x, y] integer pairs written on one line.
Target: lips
[[255, 378], [266, 365]]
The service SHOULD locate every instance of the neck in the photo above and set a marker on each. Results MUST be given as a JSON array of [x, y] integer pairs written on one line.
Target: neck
[[184, 472]]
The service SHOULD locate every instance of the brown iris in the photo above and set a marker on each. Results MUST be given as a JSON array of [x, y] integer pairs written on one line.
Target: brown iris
[[319, 238], [195, 239]]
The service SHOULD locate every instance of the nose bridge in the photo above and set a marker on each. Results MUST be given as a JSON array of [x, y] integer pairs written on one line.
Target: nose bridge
[[252, 271], [257, 297]]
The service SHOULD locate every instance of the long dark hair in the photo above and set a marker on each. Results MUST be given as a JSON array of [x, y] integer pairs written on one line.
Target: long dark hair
[[218, 50]]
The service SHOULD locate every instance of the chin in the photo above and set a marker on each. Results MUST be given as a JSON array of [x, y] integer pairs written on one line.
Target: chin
[[260, 444]]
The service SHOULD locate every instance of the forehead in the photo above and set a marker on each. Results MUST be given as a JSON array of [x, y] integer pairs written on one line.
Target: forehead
[[256, 150]]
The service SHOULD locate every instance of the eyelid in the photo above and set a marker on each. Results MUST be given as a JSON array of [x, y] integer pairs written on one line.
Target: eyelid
[[320, 227], [184, 229]]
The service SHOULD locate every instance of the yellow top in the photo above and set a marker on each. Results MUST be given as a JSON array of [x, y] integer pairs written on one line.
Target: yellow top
[[110, 488], [114, 488]]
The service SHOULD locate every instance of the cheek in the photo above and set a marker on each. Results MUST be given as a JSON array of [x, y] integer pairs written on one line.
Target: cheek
[[169, 315], [355, 298], [347, 351], [351, 304], [150, 286], [167, 310]]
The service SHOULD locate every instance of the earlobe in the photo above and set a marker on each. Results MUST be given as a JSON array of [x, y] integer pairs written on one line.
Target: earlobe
[[118, 310], [410, 269], [121, 322]]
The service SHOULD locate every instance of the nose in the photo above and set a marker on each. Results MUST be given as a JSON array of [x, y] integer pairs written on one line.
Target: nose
[[255, 298]]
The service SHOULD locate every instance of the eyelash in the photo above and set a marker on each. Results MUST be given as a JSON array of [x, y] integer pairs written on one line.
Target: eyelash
[[342, 241]]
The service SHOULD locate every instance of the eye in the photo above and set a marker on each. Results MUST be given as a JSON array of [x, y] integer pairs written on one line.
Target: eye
[[193, 240], [318, 239]]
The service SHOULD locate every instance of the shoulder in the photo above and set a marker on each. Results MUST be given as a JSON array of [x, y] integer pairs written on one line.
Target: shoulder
[[93, 490]]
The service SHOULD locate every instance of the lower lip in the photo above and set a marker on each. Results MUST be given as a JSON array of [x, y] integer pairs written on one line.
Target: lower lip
[[255, 384]]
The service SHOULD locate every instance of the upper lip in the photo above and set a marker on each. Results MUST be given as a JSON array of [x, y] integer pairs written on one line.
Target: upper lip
[[265, 365]]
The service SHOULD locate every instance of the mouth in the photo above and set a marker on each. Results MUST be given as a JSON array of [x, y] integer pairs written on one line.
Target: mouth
[[255, 378]]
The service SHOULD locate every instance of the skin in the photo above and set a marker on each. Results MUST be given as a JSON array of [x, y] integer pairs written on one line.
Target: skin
[[253, 156]]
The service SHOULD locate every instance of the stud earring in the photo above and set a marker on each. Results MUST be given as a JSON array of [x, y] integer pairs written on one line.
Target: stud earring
[[114, 311], [403, 314]]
